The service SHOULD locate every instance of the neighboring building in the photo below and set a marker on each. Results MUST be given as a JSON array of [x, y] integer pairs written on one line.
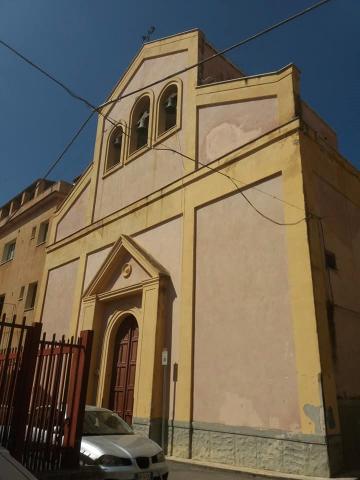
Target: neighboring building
[[24, 225], [196, 229]]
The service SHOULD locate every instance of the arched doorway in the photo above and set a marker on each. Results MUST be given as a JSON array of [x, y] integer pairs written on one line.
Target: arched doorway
[[124, 368]]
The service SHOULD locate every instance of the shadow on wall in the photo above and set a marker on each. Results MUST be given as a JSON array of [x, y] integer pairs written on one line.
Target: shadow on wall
[[170, 445], [167, 371]]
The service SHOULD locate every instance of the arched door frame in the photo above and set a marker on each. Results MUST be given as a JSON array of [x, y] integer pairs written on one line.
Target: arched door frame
[[148, 378], [107, 357], [150, 317]]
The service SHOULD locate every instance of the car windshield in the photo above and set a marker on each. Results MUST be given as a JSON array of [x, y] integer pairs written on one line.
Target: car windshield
[[102, 422]]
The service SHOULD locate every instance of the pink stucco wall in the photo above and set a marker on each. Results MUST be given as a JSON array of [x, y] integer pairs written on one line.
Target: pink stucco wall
[[75, 218], [59, 299], [223, 128], [93, 263], [245, 373], [164, 243], [153, 169]]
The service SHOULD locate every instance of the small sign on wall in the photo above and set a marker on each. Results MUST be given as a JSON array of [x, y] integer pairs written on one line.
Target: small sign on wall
[[164, 357]]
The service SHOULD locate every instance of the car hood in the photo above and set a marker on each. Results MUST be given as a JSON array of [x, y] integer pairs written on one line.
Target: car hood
[[119, 445]]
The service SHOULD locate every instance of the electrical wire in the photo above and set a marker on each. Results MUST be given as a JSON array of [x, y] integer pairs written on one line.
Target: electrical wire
[[69, 91], [69, 144], [233, 181], [184, 70], [222, 52], [48, 75], [98, 109]]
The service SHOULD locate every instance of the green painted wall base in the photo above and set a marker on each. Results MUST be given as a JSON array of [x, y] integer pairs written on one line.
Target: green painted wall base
[[270, 450], [149, 427], [313, 455]]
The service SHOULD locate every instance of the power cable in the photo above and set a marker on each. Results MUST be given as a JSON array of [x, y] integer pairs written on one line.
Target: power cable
[[186, 69], [48, 75], [233, 181], [69, 144], [97, 109], [222, 52]]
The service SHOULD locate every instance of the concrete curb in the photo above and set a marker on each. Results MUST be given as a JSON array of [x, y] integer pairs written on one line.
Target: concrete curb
[[254, 471]]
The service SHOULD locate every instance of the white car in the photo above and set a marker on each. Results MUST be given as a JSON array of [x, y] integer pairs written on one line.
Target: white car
[[11, 468], [109, 443]]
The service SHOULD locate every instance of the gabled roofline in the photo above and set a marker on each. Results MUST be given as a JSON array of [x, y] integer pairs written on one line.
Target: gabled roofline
[[138, 54], [185, 32], [223, 56], [78, 188], [249, 77]]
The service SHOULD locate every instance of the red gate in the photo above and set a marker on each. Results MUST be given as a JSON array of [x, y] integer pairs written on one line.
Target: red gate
[[42, 395]]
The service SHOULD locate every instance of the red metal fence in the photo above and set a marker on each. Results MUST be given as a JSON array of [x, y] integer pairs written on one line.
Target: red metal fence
[[42, 395]]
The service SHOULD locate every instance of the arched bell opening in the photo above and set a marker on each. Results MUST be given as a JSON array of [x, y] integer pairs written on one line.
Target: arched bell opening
[[139, 136]]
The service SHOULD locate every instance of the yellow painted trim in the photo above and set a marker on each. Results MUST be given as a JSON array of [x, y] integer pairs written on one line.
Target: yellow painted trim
[[237, 154], [107, 354], [124, 245], [182, 42], [301, 293]]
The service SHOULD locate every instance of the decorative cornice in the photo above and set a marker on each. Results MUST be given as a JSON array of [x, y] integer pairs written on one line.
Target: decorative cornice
[[126, 291]]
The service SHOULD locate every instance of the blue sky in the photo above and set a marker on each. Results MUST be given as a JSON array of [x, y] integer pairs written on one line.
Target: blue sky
[[88, 43]]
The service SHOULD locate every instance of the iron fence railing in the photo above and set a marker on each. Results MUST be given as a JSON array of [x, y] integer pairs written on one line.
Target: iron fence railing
[[42, 395]]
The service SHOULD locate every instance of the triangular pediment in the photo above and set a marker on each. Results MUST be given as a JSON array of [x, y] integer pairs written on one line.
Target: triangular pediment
[[127, 264], [163, 47]]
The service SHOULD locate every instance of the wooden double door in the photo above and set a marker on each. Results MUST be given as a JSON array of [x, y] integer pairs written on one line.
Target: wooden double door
[[124, 369]]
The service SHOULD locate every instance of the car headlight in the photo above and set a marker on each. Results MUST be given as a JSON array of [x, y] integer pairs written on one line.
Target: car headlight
[[158, 458], [112, 461]]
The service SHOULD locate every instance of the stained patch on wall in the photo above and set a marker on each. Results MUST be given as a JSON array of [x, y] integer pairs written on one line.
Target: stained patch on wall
[[223, 128], [313, 412], [244, 357]]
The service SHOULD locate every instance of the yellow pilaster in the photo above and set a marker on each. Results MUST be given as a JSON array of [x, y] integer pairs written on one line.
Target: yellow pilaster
[[183, 410], [147, 346], [302, 299]]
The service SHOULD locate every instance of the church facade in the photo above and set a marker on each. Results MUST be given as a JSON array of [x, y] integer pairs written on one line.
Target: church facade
[[199, 247]]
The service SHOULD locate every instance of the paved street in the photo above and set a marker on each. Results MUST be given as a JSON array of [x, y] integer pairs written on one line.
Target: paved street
[[182, 471]]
